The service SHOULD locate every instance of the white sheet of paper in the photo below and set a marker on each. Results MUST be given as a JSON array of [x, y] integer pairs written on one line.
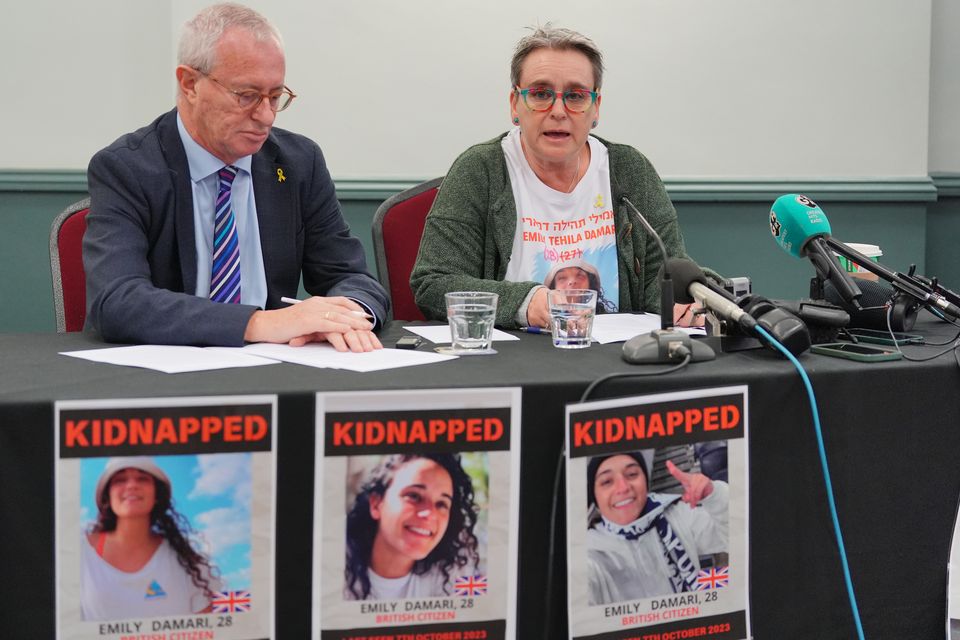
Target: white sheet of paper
[[171, 359], [440, 334], [322, 355], [620, 327]]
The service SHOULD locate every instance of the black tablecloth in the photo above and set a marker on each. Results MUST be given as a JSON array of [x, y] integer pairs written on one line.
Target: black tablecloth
[[892, 432]]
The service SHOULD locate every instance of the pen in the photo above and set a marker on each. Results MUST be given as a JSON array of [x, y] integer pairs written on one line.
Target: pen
[[295, 301], [534, 330]]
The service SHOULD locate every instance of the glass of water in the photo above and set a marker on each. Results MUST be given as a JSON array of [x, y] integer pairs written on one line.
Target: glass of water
[[571, 317], [471, 315]]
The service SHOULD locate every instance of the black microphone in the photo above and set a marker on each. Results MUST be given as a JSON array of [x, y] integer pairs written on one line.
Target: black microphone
[[692, 285], [665, 344], [873, 313], [666, 285]]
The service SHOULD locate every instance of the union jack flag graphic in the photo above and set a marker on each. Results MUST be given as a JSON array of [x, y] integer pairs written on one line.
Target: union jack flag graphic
[[231, 602], [713, 578], [475, 585]]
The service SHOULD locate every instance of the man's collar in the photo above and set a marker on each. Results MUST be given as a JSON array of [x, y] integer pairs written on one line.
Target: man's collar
[[202, 163]]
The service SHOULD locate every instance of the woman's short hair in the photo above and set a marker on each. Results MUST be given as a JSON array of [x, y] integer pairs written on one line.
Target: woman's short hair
[[456, 549], [550, 37], [199, 38]]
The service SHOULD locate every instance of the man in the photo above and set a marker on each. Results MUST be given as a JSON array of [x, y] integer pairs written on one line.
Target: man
[[210, 189]]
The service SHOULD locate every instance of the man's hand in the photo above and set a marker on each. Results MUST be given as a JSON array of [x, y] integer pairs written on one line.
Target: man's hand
[[357, 341], [696, 486], [339, 321]]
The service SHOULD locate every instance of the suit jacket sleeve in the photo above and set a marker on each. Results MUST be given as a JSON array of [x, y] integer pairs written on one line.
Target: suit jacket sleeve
[[132, 257]]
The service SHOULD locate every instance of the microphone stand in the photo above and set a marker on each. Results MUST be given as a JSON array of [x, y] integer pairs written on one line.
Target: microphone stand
[[929, 295], [661, 345]]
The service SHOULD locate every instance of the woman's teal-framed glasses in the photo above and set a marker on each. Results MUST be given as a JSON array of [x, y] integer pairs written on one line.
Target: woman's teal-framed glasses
[[543, 98]]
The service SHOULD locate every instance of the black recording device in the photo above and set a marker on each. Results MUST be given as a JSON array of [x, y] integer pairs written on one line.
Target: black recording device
[[409, 342]]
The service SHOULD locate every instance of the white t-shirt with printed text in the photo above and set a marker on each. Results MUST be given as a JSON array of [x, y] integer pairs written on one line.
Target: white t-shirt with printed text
[[556, 230]]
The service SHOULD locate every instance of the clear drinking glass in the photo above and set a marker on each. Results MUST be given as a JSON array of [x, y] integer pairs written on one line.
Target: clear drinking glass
[[471, 315], [571, 317]]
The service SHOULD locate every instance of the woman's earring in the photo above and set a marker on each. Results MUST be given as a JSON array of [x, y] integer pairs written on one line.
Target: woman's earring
[[517, 121], [593, 125]]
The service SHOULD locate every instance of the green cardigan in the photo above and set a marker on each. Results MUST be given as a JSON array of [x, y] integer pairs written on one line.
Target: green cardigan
[[469, 232]]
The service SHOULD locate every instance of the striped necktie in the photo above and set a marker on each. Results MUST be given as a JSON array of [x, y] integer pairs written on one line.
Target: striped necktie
[[225, 274]]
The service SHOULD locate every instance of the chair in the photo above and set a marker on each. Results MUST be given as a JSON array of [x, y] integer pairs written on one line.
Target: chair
[[66, 266], [397, 228]]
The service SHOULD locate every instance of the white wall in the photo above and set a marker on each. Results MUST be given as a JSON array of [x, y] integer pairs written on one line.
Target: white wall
[[78, 74], [945, 88], [707, 88]]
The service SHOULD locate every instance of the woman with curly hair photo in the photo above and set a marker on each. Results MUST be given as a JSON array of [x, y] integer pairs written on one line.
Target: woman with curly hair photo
[[410, 530], [137, 558]]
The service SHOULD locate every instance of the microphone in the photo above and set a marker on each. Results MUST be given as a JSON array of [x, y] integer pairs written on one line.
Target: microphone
[[877, 296], [925, 292], [692, 286], [665, 344], [666, 285], [801, 229]]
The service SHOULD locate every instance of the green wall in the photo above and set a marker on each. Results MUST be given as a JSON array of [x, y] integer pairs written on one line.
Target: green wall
[[943, 232], [724, 225]]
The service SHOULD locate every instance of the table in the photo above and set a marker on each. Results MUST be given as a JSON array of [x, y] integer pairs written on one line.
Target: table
[[892, 433]]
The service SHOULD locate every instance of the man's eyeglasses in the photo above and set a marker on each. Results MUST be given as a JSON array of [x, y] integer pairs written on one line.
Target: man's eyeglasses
[[543, 98], [251, 99]]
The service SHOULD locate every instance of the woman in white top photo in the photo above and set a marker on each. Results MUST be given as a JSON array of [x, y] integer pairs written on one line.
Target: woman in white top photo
[[410, 530], [137, 558]]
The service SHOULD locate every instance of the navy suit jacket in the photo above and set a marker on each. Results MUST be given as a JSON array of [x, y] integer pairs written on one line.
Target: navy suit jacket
[[139, 253]]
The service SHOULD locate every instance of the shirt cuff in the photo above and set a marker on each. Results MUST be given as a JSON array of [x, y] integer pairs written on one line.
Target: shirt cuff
[[377, 324], [521, 317]]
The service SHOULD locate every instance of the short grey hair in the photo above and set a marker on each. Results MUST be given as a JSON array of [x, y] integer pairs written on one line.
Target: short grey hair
[[550, 37], [198, 41]]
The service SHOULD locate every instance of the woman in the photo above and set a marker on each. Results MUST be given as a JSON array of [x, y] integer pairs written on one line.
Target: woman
[[410, 530], [137, 559], [545, 194], [649, 544]]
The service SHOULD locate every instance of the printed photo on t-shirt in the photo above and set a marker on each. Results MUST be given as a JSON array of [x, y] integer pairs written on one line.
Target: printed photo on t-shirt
[[583, 274]]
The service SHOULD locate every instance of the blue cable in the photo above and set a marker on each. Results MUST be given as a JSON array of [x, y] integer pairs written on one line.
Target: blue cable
[[826, 475]]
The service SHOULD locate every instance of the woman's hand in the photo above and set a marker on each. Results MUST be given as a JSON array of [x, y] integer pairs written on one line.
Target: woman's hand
[[538, 312], [688, 315]]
